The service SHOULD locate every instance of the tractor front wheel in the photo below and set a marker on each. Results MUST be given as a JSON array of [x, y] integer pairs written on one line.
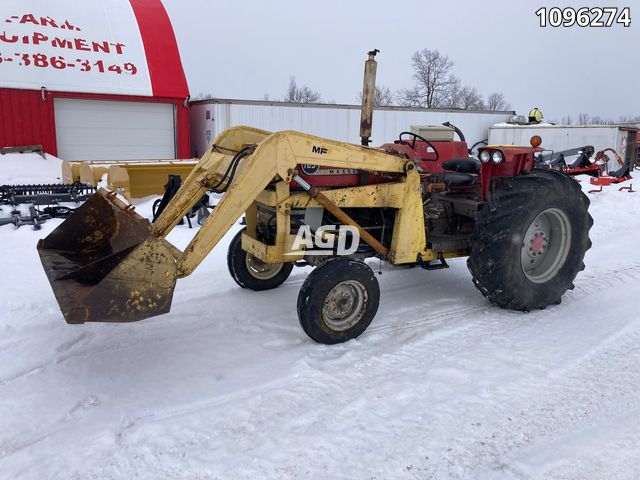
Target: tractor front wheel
[[529, 240], [338, 301], [252, 273]]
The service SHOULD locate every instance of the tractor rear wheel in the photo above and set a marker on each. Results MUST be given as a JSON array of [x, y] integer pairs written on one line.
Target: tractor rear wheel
[[338, 300], [252, 273], [529, 240]]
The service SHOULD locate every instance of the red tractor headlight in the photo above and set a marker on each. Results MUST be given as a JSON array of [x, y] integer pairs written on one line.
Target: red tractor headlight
[[485, 156], [497, 157]]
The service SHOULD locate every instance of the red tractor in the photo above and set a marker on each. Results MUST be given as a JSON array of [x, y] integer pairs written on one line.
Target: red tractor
[[417, 201]]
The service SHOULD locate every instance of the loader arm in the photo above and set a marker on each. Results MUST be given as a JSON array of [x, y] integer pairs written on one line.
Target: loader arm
[[273, 160], [107, 263], [212, 165]]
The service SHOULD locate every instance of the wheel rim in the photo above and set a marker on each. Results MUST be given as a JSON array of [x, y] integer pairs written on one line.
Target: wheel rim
[[344, 305], [545, 246], [261, 270]]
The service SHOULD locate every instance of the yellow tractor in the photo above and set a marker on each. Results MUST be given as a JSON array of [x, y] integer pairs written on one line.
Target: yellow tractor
[[416, 201]]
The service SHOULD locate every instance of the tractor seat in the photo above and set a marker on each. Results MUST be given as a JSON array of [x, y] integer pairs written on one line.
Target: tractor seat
[[462, 165], [453, 179]]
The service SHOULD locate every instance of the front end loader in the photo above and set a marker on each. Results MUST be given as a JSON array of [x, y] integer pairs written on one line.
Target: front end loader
[[414, 201]]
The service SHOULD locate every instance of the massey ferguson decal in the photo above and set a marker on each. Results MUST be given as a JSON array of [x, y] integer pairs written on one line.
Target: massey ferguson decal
[[81, 51], [316, 170]]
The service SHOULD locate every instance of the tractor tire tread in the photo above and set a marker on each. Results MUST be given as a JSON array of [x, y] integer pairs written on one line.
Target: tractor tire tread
[[236, 263], [494, 244]]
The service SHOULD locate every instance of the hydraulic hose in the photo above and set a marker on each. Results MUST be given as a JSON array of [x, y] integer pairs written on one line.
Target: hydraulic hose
[[227, 178], [457, 130]]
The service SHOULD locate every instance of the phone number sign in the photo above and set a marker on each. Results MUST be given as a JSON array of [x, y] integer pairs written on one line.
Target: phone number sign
[[72, 46]]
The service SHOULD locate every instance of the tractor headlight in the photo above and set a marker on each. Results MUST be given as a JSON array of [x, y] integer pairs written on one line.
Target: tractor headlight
[[485, 156], [497, 157]]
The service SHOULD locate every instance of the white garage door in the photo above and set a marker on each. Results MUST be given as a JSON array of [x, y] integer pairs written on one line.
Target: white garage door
[[106, 130]]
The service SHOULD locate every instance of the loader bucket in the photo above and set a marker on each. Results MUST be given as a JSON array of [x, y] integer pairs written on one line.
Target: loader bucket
[[104, 266]]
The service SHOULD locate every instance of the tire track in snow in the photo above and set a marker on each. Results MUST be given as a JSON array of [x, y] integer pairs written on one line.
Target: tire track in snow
[[527, 414], [13, 446], [27, 372], [571, 402], [84, 337], [585, 287], [436, 319], [446, 343], [593, 283]]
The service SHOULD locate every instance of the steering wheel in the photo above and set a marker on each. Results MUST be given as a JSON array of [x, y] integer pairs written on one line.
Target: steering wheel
[[413, 143]]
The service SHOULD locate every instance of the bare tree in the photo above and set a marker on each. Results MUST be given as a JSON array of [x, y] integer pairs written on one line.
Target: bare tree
[[434, 80], [496, 101], [381, 98], [411, 97], [627, 119], [469, 98], [436, 86], [304, 94], [462, 97], [583, 119], [451, 97]]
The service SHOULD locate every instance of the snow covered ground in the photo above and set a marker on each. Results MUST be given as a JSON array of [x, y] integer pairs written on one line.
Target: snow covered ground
[[442, 386], [21, 168]]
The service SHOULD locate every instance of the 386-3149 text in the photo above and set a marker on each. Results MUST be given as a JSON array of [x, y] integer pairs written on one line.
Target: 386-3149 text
[[584, 17], [59, 63]]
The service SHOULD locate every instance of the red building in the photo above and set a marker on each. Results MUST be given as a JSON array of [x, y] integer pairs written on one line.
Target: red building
[[98, 80]]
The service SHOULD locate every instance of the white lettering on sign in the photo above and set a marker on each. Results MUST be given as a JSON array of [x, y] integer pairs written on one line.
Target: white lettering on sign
[[92, 47]]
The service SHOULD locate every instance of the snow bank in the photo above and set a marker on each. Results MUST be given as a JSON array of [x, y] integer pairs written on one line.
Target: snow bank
[[25, 168]]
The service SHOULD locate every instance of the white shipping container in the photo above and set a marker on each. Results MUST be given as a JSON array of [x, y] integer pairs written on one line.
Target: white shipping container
[[338, 122]]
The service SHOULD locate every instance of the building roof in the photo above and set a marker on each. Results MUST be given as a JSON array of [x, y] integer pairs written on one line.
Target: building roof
[[120, 47], [340, 106]]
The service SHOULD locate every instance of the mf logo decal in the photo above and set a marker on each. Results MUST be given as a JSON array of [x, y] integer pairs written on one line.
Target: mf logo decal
[[318, 150]]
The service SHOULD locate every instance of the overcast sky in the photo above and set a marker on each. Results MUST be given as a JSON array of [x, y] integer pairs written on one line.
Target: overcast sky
[[246, 49]]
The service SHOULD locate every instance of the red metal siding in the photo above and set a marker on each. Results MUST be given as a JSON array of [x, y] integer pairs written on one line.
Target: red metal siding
[[161, 49], [27, 120]]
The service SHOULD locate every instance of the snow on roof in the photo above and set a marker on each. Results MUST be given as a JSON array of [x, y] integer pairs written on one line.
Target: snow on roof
[[554, 126], [125, 47]]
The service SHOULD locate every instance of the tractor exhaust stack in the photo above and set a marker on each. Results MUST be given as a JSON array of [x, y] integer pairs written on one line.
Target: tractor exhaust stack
[[368, 97]]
